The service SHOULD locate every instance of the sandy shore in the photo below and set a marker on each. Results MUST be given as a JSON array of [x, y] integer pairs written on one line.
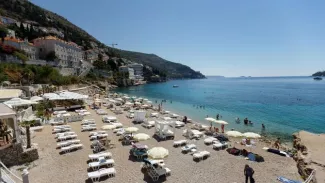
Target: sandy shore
[[219, 167]]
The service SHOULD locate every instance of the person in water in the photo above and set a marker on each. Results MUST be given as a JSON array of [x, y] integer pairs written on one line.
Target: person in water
[[217, 117], [246, 121], [237, 120], [263, 126]]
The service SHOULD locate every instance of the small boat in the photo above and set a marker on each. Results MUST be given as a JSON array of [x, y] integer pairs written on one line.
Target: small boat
[[318, 78], [175, 86]]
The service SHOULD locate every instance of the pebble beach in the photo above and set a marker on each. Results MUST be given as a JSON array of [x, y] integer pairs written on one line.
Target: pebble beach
[[219, 167]]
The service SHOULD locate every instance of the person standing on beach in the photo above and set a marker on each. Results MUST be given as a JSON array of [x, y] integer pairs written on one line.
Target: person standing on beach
[[249, 172], [223, 128], [277, 143]]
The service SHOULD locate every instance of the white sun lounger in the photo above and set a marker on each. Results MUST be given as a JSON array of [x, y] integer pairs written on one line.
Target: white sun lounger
[[180, 143], [101, 112], [210, 140], [105, 155], [174, 116], [188, 148], [154, 114], [96, 175], [71, 147], [87, 122], [61, 126], [105, 162], [67, 143], [118, 125], [64, 134], [88, 128], [61, 138], [201, 155], [57, 123], [98, 136], [218, 145], [60, 130], [179, 124], [84, 113], [148, 124], [80, 110], [96, 133]]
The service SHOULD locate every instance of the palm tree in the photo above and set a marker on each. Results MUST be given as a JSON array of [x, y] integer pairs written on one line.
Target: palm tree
[[27, 125]]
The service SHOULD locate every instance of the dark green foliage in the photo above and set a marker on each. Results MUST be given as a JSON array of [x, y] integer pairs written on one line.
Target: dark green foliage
[[319, 73], [51, 56], [27, 74]]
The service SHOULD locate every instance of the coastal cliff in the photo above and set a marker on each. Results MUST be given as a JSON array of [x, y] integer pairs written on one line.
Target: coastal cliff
[[310, 154]]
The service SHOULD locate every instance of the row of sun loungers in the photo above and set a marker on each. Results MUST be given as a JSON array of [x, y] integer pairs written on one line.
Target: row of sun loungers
[[99, 160], [66, 146], [96, 175]]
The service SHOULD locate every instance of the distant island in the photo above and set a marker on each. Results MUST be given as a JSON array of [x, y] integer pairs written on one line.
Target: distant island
[[319, 73]]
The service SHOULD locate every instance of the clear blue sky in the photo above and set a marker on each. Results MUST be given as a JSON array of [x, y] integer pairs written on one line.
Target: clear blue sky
[[230, 38]]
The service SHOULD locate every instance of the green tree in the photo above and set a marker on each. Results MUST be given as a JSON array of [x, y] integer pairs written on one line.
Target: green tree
[[3, 32], [21, 56], [100, 57]]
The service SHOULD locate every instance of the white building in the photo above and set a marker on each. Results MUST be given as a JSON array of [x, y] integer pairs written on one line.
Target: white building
[[138, 70], [30, 50], [69, 54], [125, 69]]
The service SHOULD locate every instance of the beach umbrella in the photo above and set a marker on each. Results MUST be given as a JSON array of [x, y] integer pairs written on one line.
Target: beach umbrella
[[158, 153], [149, 102], [131, 129], [252, 135], [145, 99], [108, 127], [141, 137], [137, 103], [134, 97], [221, 122], [234, 134]]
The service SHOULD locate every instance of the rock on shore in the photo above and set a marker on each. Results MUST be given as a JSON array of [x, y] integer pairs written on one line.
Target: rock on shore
[[310, 155]]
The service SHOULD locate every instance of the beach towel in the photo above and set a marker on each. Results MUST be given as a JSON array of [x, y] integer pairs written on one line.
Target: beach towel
[[285, 180], [275, 151], [251, 156]]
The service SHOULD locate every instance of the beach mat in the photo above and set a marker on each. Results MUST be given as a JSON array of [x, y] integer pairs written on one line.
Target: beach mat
[[285, 180]]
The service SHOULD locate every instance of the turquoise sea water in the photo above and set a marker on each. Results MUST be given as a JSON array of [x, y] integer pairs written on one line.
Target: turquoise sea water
[[284, 104]]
